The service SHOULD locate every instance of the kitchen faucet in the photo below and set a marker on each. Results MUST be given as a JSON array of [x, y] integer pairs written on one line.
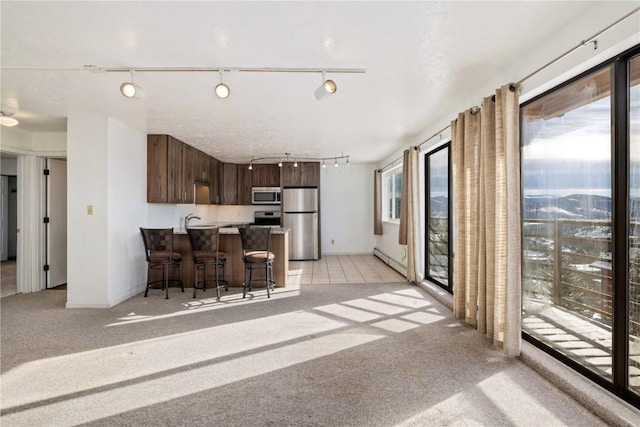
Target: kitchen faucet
[[188, 218]]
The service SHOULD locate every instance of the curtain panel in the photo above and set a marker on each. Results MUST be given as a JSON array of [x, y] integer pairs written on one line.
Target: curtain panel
[[485, 146], [409, 230], [377, 202]]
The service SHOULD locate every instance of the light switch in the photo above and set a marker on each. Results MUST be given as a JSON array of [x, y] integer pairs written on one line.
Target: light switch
[[89, 209]]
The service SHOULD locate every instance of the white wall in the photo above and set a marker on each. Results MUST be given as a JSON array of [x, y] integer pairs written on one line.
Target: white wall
[[126, 211], [624, 36], [87, 180], [9, 167], [346, 197]]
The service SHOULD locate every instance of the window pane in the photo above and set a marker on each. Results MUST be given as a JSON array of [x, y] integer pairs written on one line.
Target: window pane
[[388, 181], [634, 227], [438, 220], [566, 271], [398, 193]]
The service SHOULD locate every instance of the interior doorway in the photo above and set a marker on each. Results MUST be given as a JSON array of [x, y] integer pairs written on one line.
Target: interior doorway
[[56, 223], [8, 223]]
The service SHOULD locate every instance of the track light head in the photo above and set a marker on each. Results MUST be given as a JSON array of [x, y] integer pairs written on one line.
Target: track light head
[[328, 87], [128, 89], [222, 90]]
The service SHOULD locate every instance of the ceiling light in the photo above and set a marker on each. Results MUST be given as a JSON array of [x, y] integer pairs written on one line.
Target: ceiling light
[[222, 90], [250, 166], [128, 89], [323, 165], [280, 163], [295, 163], [7, 120], [328, 87], [336, 162]]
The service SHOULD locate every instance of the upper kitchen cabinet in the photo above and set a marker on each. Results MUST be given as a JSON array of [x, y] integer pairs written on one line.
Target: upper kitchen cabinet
[[307, 174], [266, 175], [180, 172], [228, 183], [214, 180], [157, 168], [201, 167], [169, 170], [245, 179]]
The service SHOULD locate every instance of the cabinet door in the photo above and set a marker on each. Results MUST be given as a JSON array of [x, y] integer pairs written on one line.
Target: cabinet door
[[228, 183], [188, 159], [266, 175], [214, 181], [244, 184], [309, 174], [201, 168], [175, 189], [157, 168], [290, 175]]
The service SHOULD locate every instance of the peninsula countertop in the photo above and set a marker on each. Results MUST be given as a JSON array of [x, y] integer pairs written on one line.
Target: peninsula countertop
[[229, 228]]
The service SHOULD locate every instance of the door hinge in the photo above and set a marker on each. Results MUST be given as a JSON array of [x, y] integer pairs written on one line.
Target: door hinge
[[46, 172], [46, 267], [45, 220]]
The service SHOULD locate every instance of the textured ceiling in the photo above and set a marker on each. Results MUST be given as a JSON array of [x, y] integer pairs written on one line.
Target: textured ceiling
[[417, 56]]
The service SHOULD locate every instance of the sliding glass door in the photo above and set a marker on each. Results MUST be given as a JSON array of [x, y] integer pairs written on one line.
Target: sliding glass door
[[438, 248], [581, 224]]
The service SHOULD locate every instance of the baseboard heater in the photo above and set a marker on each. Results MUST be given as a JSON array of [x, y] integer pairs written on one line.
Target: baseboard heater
[[396, 265]]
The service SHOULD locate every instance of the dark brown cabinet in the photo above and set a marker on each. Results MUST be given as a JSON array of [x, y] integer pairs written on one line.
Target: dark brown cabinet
[[266, 175], [180, 172], [228, 183], [214, 181], [245, 179], [201, 167], [307, 174], [169, 170]]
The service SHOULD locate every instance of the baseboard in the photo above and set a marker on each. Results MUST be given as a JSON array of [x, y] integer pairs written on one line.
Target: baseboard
[[395, 264]]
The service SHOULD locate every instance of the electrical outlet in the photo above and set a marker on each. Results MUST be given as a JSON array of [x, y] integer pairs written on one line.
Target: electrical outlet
[[333, 241]]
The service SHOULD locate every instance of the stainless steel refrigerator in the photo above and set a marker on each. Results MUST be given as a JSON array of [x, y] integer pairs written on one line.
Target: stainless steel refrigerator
[[300, 215]]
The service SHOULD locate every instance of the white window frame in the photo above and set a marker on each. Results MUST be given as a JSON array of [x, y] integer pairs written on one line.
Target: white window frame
[[391, 213]]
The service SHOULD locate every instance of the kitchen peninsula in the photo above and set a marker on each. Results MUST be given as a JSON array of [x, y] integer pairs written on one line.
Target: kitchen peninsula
[[231, 245]]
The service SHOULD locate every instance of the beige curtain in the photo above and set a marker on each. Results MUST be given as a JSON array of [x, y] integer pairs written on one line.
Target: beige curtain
[[409, 232], [377, 202], [486, 178]]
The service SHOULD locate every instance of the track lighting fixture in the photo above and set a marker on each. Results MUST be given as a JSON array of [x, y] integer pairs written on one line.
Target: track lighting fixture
[[323, 160], [250, 166], [328, 87], [7, 120], [129, 89], [222, 90]]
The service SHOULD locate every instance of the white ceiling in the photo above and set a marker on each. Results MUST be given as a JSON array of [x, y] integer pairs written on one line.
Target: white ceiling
[[418, 57]]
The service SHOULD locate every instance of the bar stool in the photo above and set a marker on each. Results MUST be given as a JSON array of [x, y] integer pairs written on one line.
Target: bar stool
[[256, 254], [205, 252], [158, 248]]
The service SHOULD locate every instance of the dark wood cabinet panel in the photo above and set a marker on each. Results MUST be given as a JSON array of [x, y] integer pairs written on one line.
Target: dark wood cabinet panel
[[245, 179], [266, 175], [157, 169], [307, 174], [202, 166], [170, 165], [188, 159], [228, 184], [214, 181]]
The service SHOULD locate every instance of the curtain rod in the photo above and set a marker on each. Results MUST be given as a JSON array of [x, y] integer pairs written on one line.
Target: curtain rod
[[533, 73], [579, 45]]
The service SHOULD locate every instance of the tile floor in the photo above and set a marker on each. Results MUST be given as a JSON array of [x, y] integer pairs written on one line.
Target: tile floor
[[342, 269]]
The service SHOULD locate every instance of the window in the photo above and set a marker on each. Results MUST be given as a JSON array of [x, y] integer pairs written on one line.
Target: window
[[438, 231], [392, 193], [581, 224]]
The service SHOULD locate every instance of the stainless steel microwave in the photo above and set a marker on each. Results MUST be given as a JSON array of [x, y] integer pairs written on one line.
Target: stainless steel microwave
[[265, 195]]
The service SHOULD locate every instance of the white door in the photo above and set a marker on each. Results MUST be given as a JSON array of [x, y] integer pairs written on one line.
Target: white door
[[4, 218], [57, 227]]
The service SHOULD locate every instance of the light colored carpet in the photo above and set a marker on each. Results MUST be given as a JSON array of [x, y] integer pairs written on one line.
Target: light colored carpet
[[383, 354]]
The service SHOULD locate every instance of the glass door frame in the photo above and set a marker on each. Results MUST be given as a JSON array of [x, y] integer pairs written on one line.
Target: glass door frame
[[620, 146], [448, 287]]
